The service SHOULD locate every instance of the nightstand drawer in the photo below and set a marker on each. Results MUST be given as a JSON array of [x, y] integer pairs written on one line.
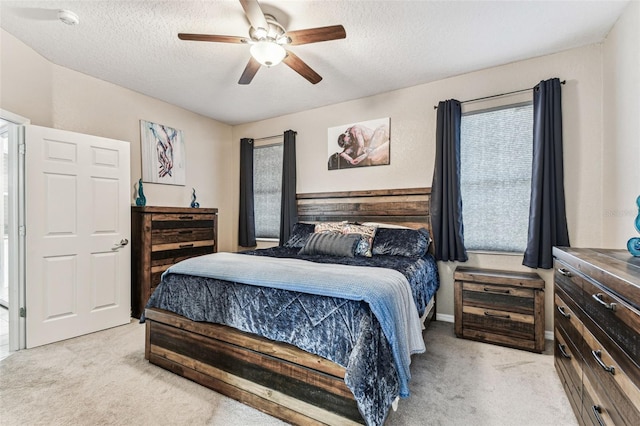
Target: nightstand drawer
[[501, 307]]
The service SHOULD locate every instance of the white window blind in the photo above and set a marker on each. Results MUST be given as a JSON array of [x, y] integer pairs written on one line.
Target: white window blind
[[496, 149], [267, 189]]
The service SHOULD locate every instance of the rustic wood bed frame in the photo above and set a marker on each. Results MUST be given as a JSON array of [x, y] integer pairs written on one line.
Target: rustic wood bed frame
[[278, 378]]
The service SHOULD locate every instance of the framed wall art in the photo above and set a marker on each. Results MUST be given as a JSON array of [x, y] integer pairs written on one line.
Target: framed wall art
[[359, 144], [163, 154]]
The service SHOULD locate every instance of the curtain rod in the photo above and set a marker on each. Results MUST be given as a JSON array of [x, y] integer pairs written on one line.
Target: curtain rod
[[498, 95], [268, 137]]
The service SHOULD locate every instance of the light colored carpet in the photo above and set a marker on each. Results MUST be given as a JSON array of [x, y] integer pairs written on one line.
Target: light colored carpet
[[103, 379]]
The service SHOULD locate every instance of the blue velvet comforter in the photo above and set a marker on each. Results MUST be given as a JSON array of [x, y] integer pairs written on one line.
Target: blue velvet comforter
[[343, 331]]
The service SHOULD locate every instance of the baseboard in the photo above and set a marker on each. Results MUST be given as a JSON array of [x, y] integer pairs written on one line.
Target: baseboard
[[445, 318], [548, 334]]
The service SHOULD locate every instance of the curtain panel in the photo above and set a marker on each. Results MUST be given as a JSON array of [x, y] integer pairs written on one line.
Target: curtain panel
[[246, 225], [547, 213], [288, 206], [446, 203]]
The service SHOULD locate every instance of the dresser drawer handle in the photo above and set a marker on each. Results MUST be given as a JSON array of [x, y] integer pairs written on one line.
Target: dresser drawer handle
[[562, 312], [596, 412], [186, 217], [598, 357], [563, 352], [185, 232], [186, 245], [489, 314], [565, 272], [598, 298], [497, 290]]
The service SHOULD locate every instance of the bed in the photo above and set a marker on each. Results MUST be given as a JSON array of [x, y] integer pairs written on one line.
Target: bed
[[260, 336]]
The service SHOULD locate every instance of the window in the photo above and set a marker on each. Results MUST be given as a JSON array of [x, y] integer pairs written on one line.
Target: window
[[496, 150], [267, 189]]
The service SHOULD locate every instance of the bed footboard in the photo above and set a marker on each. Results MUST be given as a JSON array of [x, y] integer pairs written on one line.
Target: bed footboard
[[276, 378]]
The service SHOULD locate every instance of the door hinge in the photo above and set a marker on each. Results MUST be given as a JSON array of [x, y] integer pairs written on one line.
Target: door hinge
[[23, 312], [22, 149], [22, 231]]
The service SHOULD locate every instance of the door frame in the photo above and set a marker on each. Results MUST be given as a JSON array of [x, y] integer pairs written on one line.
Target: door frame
[[17, 324]]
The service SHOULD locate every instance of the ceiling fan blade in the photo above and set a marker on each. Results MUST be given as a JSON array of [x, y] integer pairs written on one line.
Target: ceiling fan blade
[[299, 66], [314, 35], [254, 14], [207, 37], [249, 71]]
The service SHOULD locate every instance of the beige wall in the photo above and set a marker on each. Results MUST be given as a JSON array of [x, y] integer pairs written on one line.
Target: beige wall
[[621, 140], [54, 96]]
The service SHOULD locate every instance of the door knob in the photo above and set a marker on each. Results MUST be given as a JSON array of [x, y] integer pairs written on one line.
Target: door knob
[[122, 243]]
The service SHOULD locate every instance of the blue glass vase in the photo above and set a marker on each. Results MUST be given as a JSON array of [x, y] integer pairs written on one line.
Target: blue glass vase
[[633, 245], [194, 203], [141, 200]]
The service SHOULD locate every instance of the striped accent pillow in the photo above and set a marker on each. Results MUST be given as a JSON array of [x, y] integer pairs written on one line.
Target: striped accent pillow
[[331, 244]]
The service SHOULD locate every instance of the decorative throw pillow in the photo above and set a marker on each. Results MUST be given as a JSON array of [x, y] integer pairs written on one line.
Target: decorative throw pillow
[[300, 234], [331, 244], [401, 242], [333, 227], [366, 233]]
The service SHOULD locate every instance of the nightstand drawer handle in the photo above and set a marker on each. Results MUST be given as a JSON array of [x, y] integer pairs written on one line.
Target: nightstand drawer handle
[[596, 412], [186, 245], [186, 217], [562, 312], [564, 272], [185, 232], [598, 298], [489, 314], [497, 290], [563, 352], [598, 356]]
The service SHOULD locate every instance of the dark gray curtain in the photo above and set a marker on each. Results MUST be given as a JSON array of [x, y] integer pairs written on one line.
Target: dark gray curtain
[[247, 224], [547, 214], [288, 207], [446, 203]]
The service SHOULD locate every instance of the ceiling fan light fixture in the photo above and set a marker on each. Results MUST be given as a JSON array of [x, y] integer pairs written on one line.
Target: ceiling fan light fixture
[[268, 53]]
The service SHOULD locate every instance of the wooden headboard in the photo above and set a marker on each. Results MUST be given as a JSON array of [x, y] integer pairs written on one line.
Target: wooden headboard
[[407, 207]]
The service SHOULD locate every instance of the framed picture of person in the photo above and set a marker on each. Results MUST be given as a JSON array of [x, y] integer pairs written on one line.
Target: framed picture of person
[[359, 144], [163, 155]]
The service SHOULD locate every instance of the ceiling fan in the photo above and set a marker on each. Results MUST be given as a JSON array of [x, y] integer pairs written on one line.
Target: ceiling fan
[[268, 40]]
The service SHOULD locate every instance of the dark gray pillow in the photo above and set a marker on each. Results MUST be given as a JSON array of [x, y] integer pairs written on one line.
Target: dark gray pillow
[[331, 244], [300, 234], [401, 242]]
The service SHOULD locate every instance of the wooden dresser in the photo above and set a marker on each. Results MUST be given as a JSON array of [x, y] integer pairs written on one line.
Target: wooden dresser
[[162, 236], [502, 307], [597, 329]]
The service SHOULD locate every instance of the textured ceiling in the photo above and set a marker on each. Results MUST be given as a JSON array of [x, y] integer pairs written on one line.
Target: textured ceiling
[[389, 45]]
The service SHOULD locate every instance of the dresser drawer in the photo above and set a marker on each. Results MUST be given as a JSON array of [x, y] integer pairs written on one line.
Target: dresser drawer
[[569, 281], [608, 377], [172, 235], [566, 319], [597, 410], [568, 362], [606, 311]]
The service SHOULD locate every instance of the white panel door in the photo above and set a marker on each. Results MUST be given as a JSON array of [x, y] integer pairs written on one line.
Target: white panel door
[[78, 225]]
